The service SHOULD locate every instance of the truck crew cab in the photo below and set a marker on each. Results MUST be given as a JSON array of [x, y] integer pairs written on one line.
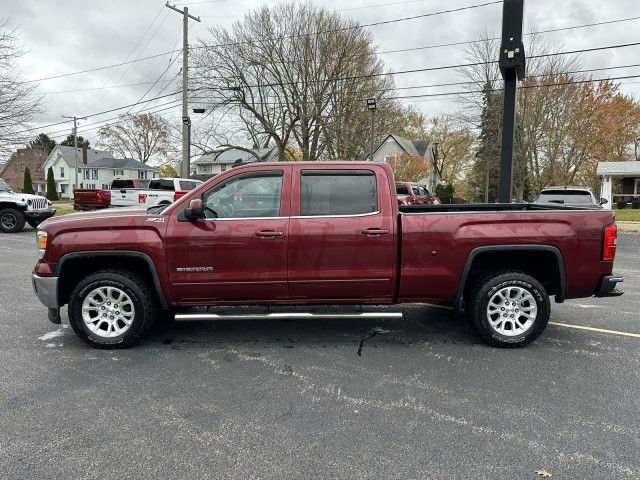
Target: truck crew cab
[[312, 234]]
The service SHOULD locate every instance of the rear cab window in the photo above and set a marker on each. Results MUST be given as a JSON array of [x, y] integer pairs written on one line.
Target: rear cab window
[[570, 197], [338, 193]]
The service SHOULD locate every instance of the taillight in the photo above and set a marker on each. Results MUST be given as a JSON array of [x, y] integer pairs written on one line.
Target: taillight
[[610, 242]]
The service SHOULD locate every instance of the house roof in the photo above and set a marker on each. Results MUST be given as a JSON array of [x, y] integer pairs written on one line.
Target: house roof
[[619, 168], [119, 163], [412, 147], [67, 153], [234, 155]]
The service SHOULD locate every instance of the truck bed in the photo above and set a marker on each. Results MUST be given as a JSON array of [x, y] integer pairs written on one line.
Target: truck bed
[[484, 207]]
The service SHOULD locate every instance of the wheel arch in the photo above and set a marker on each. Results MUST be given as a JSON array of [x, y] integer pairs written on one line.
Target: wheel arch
[[497, 251], [136, 262]]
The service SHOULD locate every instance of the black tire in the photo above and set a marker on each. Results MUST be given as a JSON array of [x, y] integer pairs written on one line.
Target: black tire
[[141, 295], [482, 292], [11, 220]]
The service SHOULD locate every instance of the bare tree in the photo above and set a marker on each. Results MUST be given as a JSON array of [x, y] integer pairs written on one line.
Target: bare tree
[[296, 76], [143, 136], [18, 104]]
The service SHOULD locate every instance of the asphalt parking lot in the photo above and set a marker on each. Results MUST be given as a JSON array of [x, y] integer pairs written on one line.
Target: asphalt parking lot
[[294, 399]]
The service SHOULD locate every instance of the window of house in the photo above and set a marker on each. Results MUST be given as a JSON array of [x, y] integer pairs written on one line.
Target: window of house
[[637, 189], [142, 174], [118, 173], [63, 189], [62, 173], [105, 186], [332, 192], [94, 174], [38, 167], [86, 174], [223, 167], [245, 196]]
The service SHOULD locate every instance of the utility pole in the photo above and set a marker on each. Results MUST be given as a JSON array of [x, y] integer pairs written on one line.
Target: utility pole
[[512, 63], [186, 121], [75, 147], [371, 105]]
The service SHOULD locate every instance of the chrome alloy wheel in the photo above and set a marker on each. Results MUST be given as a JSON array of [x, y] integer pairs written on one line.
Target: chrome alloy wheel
[[108, 312], [9, 221], [512, 311]]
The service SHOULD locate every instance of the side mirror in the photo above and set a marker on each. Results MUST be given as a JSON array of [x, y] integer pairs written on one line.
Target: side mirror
[[603, 201], [195, 210]]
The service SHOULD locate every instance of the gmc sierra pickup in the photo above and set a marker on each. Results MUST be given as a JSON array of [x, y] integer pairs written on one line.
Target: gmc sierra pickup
[[304, 235]]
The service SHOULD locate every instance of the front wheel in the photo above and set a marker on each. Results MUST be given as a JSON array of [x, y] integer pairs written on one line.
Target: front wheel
[[111, 309], [11, 220], [509, 309]]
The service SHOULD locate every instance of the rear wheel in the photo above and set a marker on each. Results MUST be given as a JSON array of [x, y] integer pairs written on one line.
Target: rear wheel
[[112, 309], [11, 220], [508, 309]]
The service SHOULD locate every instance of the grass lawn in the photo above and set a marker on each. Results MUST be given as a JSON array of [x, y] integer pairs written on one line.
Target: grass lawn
[[63, 208], [628, 215]]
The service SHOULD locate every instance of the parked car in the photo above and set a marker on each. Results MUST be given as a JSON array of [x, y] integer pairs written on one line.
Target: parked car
[[96, 199], [16, 209], [302, 234], [571, 196], [415, 194], [160, 191]]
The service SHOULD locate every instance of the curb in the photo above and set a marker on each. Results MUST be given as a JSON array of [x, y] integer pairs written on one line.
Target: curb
[[628, 227]]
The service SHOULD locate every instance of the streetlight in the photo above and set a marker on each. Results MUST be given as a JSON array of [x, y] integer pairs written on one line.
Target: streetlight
[[371, 105]]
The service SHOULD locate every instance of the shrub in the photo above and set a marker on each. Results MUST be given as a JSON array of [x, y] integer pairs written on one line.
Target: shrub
[[52, 194], [622, 204], [27, 184], [635, 203]]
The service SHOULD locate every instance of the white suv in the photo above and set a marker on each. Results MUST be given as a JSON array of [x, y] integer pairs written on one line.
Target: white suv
[[18, 208]]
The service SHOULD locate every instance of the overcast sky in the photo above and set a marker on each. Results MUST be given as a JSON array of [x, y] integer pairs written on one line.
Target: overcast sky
[[65, 36]]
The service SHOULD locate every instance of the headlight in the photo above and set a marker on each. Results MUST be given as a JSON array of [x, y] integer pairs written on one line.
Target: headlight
[[29, 202], [41, 240]]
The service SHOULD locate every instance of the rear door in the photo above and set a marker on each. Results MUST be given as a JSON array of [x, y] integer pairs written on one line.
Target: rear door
[[238, 253], [342, 235]]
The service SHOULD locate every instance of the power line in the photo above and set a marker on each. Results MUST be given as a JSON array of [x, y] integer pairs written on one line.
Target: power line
[[95, 69]]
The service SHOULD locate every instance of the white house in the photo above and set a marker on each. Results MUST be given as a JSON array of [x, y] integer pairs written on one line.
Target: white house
[[627, 177], [394, 146], [218, 161], [101, 172], [96, 169]]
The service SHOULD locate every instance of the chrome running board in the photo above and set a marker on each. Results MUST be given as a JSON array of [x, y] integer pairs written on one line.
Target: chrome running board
[[267, 316]]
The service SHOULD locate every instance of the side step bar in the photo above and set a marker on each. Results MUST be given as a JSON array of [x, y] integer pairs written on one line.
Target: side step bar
[[266, 316]]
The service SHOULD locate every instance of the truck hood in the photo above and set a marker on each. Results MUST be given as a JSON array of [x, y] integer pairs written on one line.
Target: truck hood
[[19, 197], [107, 218]]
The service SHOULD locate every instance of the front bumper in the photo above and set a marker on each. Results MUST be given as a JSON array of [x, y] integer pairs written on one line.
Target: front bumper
[[46, 289], [39, 215], [608, 286]]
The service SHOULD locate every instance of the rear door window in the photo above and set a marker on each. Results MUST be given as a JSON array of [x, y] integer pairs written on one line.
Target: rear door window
[[335, 192], [188, 184], [402, 190], [161, 185]]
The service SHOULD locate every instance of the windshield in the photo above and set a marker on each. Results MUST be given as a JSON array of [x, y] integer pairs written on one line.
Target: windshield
[[4, 186], [573, 197]]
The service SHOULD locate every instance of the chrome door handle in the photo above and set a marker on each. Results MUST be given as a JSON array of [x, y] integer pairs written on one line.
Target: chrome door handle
[[375, 231], [268, 233]]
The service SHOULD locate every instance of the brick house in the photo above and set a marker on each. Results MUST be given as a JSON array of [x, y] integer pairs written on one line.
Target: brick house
[[23, 158]]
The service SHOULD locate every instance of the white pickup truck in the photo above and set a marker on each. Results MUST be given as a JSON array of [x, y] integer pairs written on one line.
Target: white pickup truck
[[161, 191]]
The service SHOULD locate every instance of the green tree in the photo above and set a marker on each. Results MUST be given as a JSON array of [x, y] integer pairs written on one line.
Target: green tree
[[69, 141], [42, 142], [168, 171], [484, 175], [52, 193], [27, 185], [445, 192]]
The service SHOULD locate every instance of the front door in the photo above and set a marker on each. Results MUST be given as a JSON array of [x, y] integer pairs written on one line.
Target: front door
[[342, 236], [238, 253]]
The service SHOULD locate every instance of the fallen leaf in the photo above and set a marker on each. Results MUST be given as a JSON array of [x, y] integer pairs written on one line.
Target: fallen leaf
[[543, 473]]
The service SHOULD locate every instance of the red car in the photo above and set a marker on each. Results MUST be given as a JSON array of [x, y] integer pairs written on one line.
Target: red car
[[310, 234], [415, 194]]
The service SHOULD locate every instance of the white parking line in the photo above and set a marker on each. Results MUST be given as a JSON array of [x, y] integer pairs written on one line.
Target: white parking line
[[594, 329]]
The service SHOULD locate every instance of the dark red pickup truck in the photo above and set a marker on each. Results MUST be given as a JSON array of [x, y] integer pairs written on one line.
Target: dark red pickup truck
[[306, 235]]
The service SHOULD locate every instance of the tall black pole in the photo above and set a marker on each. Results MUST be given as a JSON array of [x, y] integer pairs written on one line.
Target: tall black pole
[[512, 65]]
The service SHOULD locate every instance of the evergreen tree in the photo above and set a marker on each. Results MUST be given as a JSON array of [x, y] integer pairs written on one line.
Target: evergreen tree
[[485, 172], [52, 193], [27, 184], [69, 141], [42, 142]]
